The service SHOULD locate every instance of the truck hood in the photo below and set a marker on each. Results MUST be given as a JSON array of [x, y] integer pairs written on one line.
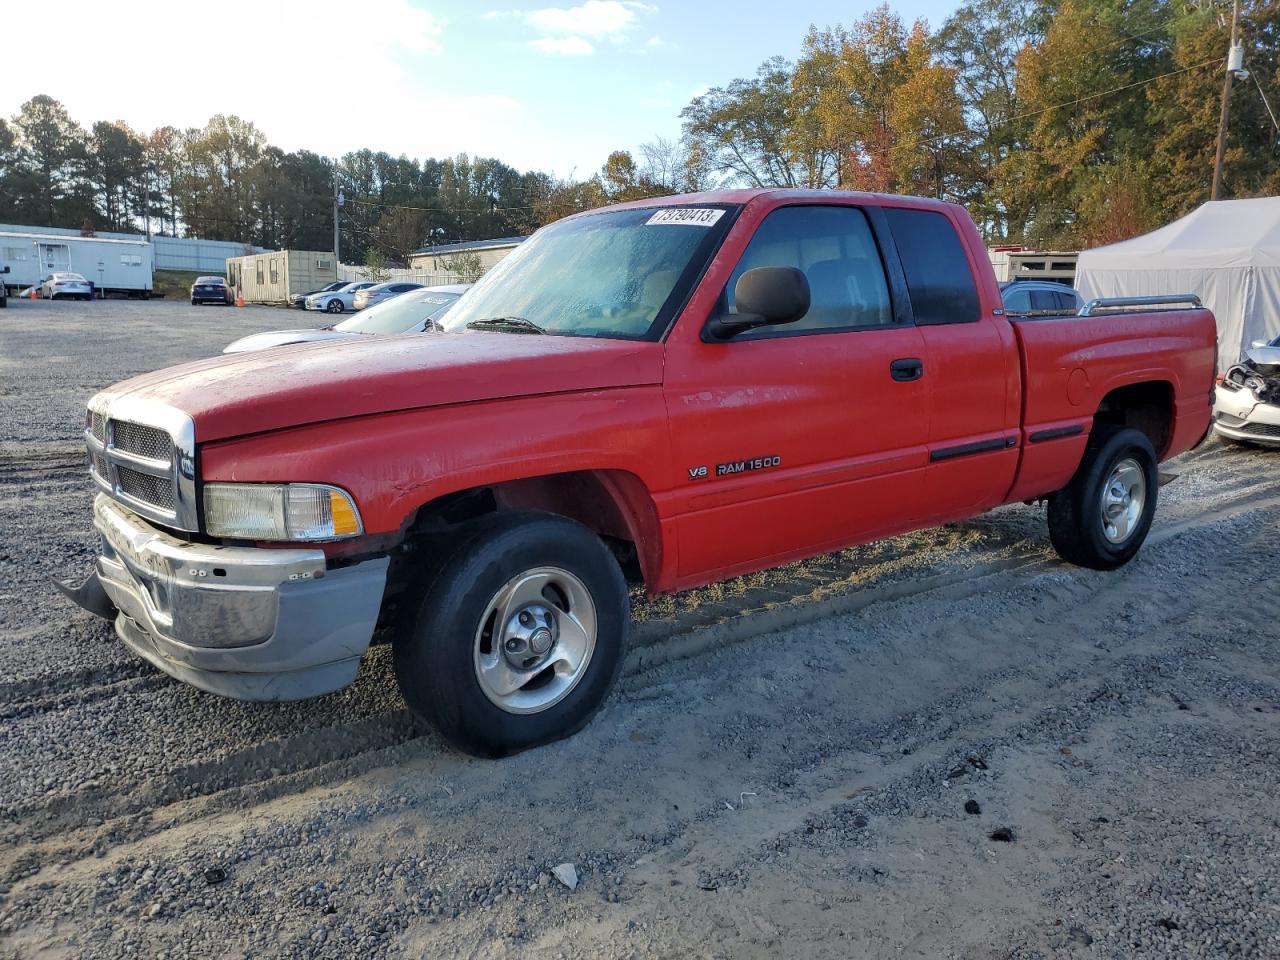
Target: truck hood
[[239, 394]]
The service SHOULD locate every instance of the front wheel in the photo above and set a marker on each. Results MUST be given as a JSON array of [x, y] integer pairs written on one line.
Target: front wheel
[[519, 635], [334, 306], [1102, 517]]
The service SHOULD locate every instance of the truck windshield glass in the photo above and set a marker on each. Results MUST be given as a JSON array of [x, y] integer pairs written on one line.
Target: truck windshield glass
[[398, 315], [619, 274]]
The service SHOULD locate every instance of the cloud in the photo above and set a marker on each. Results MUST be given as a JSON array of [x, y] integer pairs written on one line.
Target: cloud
[[391, 101], [594, 18], [564, 46]]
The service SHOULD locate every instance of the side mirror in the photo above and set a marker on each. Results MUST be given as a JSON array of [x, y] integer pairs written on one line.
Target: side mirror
[[6, 269], [765, 296]]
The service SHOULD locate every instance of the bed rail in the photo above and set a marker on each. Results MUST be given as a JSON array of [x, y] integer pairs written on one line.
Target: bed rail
[[1103, 305]]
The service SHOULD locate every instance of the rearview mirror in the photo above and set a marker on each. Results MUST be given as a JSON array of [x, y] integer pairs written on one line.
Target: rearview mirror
[[765, 296]]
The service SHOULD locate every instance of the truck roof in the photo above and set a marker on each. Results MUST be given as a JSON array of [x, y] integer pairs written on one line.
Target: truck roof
[[744, 196]]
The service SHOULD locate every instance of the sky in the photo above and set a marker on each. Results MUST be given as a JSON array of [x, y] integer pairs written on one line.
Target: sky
[[549, 87]]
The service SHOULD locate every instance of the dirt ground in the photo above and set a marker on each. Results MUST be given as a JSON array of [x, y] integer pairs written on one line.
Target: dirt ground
[[949, 745]]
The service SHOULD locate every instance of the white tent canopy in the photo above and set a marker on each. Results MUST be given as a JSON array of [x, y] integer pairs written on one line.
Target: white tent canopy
[[1227, 253]]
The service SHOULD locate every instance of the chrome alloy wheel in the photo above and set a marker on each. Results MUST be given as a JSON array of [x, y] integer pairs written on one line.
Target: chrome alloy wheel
[[535, 640], [1124, 496]]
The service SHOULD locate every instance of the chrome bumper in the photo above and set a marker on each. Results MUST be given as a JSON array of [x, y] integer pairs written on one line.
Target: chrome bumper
[[244, 622]]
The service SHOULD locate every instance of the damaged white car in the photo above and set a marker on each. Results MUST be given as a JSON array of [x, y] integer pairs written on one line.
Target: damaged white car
[[1247, 406]]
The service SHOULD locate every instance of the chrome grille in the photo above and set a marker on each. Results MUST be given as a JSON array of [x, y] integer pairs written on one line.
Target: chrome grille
[[143, 453], [142, 441], [155, 491]]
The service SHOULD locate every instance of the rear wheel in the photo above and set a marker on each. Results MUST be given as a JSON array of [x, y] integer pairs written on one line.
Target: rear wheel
[[334, 306], [519, 634], [1102, 517]]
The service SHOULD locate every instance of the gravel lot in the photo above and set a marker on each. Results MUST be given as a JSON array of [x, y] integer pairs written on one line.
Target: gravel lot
[[950, 745]]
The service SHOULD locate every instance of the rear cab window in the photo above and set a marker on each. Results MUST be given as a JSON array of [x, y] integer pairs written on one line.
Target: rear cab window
[[939, 279]]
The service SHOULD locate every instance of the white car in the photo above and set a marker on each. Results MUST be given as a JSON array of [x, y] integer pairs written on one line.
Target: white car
[[378, 292], [1246, 405], [336, 301], [410, 314], [67, 286]]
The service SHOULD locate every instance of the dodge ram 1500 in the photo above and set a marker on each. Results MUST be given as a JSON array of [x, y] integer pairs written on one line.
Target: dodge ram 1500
[[667, 392]]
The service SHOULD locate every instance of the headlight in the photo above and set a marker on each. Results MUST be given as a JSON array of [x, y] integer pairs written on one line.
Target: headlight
[[1255, 384], [270, 511]]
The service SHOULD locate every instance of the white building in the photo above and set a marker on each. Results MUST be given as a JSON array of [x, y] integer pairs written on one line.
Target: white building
[[111, 265], [444, 258]]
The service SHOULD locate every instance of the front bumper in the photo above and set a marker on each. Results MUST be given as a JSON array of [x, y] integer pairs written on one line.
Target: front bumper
[[1239, 414], [243, 622]]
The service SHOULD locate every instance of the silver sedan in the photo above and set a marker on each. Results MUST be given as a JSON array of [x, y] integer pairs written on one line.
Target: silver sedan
[[66, 286]]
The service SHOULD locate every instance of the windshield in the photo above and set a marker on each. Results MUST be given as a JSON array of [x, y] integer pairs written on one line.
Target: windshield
[[607, 274], [399, 314]]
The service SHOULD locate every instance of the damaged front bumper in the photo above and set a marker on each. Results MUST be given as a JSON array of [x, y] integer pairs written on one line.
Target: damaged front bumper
[[1238, 413], [243, 622]]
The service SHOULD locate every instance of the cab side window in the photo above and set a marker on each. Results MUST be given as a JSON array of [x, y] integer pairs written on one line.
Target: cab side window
[[938, 276], [837, 252]]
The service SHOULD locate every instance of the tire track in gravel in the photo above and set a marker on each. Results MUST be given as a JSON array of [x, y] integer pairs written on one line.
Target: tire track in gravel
[[839, 795], [62, 463]]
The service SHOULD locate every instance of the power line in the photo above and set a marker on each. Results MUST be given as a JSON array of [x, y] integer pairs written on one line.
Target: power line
[[444, 210], [1266, 103], [1078, 100]]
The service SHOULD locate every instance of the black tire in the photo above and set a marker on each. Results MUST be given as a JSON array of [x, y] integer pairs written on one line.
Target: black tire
[[334, 306], [1076, 523], [435, 649]]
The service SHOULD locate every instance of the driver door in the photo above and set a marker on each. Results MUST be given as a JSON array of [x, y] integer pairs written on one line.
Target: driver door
[[793, 440]]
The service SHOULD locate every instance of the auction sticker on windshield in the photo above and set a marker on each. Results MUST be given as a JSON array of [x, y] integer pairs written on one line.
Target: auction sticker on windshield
[[692, 216]]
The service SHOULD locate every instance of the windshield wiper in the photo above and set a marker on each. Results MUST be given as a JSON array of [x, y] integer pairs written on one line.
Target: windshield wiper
[[514, 324]]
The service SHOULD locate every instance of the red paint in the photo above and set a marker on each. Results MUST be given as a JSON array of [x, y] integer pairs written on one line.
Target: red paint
[[401, 421]]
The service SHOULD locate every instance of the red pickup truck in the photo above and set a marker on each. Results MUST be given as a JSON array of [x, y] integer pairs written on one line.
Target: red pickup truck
[[667, 392]]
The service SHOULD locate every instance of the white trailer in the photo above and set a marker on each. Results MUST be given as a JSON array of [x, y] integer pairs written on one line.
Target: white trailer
[[112, 266]]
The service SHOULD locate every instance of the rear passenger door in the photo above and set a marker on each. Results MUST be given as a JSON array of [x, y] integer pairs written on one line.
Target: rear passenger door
[[793, 439], [973, 371]]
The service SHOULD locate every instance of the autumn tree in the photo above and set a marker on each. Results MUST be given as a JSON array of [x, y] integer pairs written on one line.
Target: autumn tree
[[1184, 108], [741, 130], [622, 179]]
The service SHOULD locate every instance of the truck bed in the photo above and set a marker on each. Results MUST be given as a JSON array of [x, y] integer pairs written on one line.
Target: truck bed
[[1072, 363]]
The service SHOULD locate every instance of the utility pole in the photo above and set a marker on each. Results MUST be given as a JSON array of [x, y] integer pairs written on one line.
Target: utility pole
[[1227, 80], [337, 211]]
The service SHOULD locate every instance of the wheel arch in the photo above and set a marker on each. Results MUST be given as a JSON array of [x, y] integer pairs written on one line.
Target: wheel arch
[[1147, 406], [615, 504]]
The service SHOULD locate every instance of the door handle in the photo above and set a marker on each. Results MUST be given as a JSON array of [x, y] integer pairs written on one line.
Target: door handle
[[906, 369]]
